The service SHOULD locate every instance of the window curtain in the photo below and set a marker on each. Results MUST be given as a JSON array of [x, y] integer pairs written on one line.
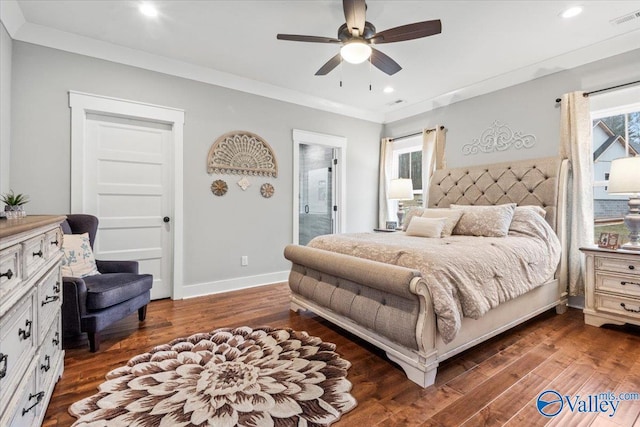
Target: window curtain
[[433, 143], [575, 145], [385, 206]]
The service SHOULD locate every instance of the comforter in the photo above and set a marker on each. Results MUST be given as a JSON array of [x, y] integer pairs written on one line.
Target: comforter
[[466, 275]]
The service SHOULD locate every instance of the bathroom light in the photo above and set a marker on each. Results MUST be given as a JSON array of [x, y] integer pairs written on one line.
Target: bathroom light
[[356, 51], [388, 89], [147, 9], [571, 12]]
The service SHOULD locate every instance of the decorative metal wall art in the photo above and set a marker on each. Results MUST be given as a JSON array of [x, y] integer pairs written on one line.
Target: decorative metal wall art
[[219, 187], [242, 153], [244, 183], [498, 137], [267, 190]]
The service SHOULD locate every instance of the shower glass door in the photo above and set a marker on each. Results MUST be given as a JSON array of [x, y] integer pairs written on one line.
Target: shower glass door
[[317, 189]]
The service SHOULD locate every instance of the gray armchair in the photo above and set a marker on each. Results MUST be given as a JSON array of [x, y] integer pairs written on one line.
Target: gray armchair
[[92, 303]]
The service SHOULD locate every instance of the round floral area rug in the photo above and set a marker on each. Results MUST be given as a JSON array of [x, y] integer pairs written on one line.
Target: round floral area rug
[[243, 376]]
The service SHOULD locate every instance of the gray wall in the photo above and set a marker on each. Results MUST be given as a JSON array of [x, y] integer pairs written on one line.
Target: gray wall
[[529, 108], [218, 230], [6, 45]]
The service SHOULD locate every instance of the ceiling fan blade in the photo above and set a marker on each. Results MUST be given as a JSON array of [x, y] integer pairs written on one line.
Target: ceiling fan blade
[[384, 63], [408, 32], [354, 14], [329, 66], [311, 39]]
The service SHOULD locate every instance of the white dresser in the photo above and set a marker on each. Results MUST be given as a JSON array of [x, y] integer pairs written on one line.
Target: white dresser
[[31, 355], [612, 287]]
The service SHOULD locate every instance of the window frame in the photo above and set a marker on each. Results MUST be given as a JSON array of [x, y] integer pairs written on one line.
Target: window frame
[[406, 145]]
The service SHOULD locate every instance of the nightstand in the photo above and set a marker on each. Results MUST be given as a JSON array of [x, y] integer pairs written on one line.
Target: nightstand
[[612, 287]]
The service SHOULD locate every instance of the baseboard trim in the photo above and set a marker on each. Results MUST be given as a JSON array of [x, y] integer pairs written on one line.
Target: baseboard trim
[[235, 284]]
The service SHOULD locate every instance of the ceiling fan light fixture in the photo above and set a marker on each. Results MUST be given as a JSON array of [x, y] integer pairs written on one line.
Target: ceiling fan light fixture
[[355, 52]]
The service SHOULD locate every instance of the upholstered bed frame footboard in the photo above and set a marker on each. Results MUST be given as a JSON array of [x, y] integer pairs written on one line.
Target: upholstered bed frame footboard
[[391, 307]]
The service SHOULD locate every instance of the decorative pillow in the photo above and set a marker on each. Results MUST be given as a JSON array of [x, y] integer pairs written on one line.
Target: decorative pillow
[[426, 227], [452, 216], [537, 209], [410, 214], [487, 221], [77, 259]]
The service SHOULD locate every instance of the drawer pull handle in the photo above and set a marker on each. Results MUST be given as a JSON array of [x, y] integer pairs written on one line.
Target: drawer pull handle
[[46, 367], [8, 274], [56, 288], [632, 267], [55, 242], [38, 396], [49, 299], [629, 283], [25, 333], [39, 253], [56, 339], [3, 359], [629, 309]]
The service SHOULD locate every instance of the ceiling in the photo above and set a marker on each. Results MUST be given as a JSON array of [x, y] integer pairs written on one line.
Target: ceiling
[[484, 45]]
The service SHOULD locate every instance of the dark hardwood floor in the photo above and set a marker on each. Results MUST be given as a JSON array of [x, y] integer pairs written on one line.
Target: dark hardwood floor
[[494, 383]]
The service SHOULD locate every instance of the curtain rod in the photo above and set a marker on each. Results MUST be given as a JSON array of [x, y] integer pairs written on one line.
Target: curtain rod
[[410, 135], [606, 89]]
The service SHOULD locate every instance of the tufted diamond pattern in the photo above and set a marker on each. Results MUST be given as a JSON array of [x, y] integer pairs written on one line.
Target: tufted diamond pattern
[[527, 182]]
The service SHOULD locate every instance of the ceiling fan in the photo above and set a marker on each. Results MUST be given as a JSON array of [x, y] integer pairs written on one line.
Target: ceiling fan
[[358, 35]]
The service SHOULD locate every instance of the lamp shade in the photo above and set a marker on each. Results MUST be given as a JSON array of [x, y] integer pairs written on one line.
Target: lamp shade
[[355, 52], [400, 189], [624, 176]]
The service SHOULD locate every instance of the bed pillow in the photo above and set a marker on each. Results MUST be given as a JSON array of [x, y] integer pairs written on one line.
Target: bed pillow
[[426, 227], [452, 216], [409, 215], [487, 221], [78, 259], [537, 209]]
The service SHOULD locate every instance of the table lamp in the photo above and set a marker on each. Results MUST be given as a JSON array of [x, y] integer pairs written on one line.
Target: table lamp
[[624, 179], [400, 189]]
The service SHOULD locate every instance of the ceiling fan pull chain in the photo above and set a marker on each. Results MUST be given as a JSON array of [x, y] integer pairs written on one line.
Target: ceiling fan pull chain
[[369, 73], [340, 71]]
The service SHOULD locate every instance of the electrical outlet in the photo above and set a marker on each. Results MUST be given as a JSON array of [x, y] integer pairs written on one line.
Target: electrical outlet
[[244, 261]]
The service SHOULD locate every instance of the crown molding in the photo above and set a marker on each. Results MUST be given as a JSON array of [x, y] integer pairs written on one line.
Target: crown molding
[[601, 50], [11, 16], [61, 40]]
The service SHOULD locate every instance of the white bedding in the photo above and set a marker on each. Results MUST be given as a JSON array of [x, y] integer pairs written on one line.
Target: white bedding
[[467, 276]]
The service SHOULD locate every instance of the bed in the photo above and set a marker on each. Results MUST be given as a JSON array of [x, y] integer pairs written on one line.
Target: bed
[[396, 306]]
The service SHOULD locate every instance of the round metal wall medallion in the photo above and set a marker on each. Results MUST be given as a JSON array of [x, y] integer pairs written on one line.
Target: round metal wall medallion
[[219, 187], [267, 190]]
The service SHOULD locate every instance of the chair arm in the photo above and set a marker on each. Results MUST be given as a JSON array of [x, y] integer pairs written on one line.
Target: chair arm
[[117, 266], [74, 299]]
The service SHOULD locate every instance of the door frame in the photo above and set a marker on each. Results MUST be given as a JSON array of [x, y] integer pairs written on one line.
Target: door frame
[[338, 143], [83, 103]]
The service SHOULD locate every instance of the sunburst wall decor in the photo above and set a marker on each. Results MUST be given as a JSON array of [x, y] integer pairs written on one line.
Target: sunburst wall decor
[[242, 153]]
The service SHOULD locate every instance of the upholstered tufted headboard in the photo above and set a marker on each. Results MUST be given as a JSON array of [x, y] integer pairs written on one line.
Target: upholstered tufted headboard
[[539, 182]]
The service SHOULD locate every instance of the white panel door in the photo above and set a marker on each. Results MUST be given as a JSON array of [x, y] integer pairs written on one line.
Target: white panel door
[[128, 181]]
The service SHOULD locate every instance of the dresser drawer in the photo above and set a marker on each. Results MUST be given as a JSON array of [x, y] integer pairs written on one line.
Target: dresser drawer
[[618, 305], [50, 355], [53, 242], [17, 344], [49, 299], [29, 403], [618, 283], [617, 265], [33, 252], [10, 269]]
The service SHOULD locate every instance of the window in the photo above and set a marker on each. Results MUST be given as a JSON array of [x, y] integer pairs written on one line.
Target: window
[[407, 163], [615, 134]]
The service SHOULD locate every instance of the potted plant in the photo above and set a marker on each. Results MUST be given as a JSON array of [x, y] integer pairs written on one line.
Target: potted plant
[[14, 204]]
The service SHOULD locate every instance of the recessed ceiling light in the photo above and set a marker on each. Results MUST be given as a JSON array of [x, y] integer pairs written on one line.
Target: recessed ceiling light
[[147, 9], [571, 12], [388, 89]]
